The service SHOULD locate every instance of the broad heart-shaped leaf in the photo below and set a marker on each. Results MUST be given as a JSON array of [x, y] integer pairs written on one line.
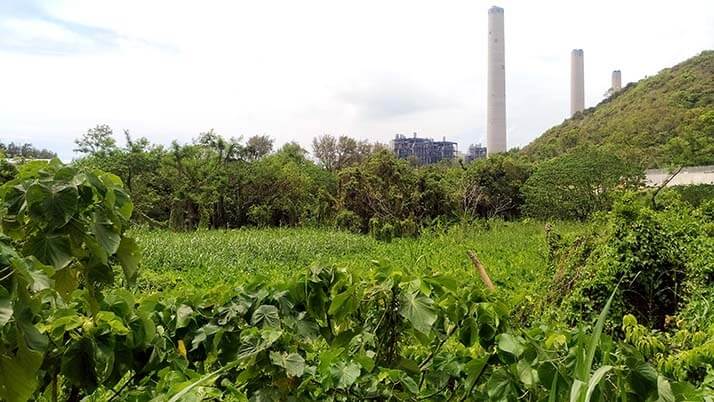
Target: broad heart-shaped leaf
[[33, 272], [267, 315], [419, 311], [106, 233], [510, 344], [50, 249], [183, 316], [14, 199], [254, 340], [66, 282], [293, 363], [5, 307], [526, 373], [78, 364], [345, 373], [55, 204], [343, 304], [98, 272], [122, 203], [104, 355], [129, 256], [19, 374]]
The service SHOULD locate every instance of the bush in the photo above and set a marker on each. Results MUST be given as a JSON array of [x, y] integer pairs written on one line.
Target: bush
[[260, 215], [660, 258], [694, 194], [348, 220], [576, 185]]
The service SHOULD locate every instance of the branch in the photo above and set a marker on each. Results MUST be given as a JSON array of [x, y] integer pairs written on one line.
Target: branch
[[663, 185], [481, 271]]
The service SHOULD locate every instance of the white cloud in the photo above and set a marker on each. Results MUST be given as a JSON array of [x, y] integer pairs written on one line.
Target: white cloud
[[294, 70]]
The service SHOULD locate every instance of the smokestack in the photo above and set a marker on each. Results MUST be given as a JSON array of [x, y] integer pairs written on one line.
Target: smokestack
[[496, 102], [577, 82], [616, 81]]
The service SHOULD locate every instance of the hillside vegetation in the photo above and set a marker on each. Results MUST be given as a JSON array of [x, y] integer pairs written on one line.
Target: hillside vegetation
[[666, 119]]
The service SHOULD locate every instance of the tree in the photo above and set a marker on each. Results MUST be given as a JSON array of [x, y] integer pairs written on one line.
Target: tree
[[324, 148], [492, 187], [97, 140], [575, 185], [258, 146], [339, 153]]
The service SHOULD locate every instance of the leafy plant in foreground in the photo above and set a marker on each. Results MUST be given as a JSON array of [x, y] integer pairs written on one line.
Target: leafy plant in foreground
[[63, 235]]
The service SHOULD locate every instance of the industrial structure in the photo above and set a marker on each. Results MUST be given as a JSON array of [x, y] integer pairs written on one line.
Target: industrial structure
[[616, 81], [475, 152], [496, 102], [424, 150], [577, 81]]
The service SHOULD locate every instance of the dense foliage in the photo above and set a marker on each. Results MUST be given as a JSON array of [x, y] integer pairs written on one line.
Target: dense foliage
[[661, 120], [384, 333], [576, 185], [25, 151], [215, 182], [63, 236]]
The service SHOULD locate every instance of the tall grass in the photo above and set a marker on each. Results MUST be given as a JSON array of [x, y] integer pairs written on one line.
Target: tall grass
[[514, 253]]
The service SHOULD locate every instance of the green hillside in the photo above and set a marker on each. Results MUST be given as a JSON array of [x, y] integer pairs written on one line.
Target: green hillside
[[661, 120]]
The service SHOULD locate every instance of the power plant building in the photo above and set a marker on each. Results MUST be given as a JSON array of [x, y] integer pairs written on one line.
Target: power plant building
[[424, 150], [475, 152], [496, 96], [577, 81]]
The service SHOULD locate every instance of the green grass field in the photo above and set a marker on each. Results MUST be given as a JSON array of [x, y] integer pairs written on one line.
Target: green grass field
[[514, 254]]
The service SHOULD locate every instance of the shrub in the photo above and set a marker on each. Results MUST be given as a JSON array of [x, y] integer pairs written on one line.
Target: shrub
[[576, 185], [348, 220], [260, 215], [659, 257]]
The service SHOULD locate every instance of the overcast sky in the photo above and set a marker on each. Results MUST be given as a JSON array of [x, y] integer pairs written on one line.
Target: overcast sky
[[297, 69]]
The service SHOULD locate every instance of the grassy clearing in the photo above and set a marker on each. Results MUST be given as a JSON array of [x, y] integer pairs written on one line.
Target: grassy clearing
[[514, 254]]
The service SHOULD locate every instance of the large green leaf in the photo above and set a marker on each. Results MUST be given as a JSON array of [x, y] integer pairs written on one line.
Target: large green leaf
[[50, 249], [267, 316], [254, 341], [55, 204], [293, 363], [104, 357], [183, 316], [19, 374], [112, 321], [510, 344], [34, 273], [129, 256], [78, 364], [343, 304], [123, 203], [106, 233], [419, 310], [66, 281], [345, 373]]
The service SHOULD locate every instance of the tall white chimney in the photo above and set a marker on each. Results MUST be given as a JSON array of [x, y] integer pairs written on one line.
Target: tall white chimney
[[616, 81], [496, 102], [577, 82]]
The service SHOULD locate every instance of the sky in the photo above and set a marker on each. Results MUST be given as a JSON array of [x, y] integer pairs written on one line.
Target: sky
[[293, 70]]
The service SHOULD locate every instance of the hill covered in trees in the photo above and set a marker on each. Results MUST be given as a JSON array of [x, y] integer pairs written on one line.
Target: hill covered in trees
[[666, 119]]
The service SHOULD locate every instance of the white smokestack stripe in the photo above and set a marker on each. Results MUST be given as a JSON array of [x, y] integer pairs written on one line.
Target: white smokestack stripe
[[577, 82], [616, 80], [496, 102]]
